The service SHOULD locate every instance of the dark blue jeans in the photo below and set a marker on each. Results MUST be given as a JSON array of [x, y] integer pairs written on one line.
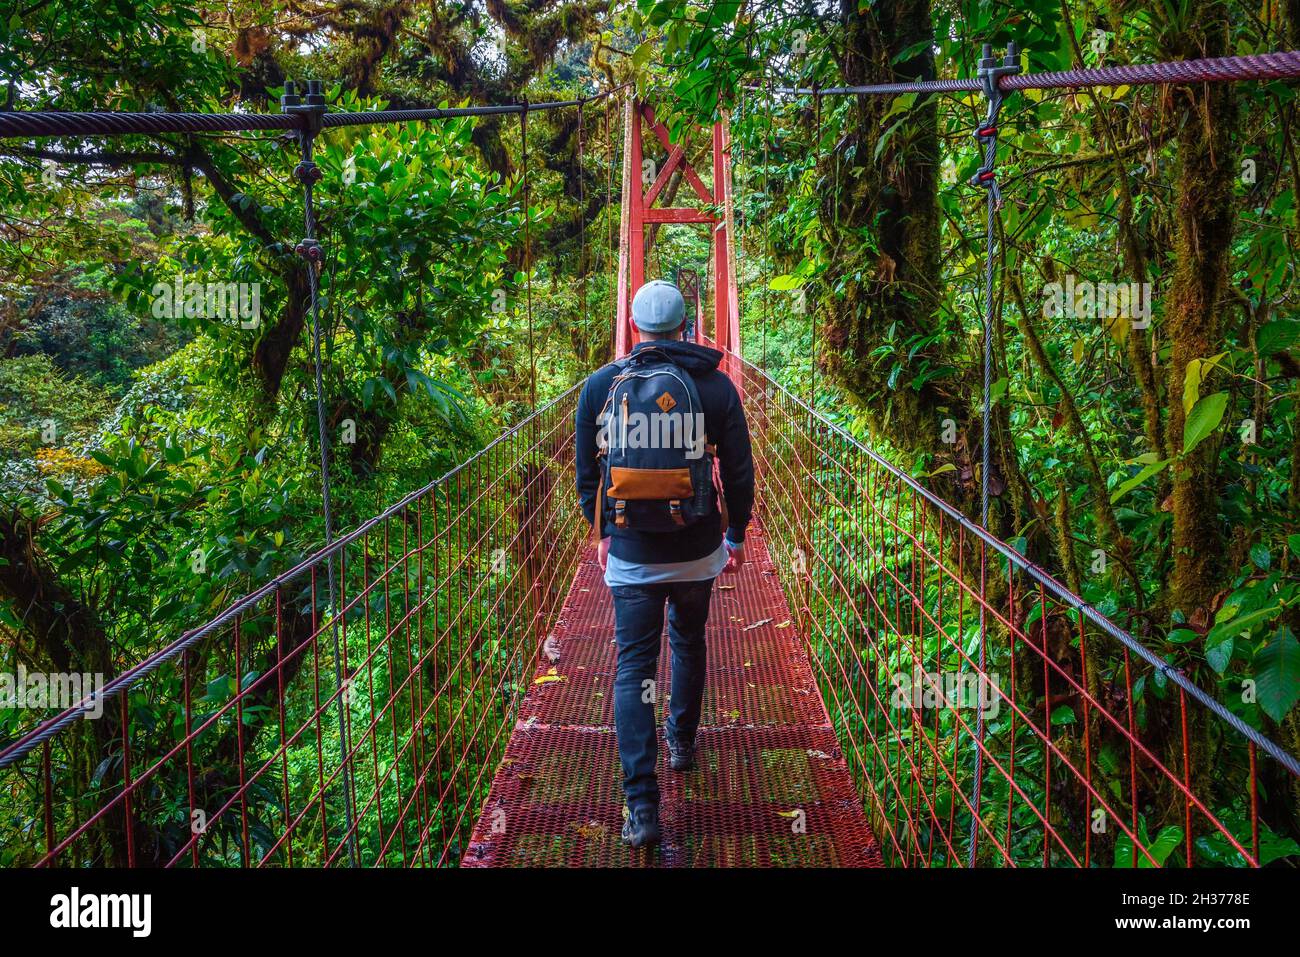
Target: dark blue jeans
[[639, 623]]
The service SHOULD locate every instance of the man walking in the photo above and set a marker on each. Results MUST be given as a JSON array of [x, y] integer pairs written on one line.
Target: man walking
[[649, 429]]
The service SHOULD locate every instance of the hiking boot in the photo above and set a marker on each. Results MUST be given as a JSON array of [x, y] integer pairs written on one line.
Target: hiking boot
[[681, 755], [641, 826]]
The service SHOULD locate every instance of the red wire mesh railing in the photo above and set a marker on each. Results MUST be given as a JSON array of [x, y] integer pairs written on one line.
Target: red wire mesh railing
[[1091, 752], [304, 729], [251, 742]]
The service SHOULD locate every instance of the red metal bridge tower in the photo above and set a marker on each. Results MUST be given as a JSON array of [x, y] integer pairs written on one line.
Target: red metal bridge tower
[[639, 211]]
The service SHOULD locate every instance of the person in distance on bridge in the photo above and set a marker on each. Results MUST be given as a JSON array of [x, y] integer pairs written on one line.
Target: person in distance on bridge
[[650, 427]]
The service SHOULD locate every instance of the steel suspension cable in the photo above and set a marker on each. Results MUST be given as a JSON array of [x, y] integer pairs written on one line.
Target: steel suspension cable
[[107, 122], [528, 263], [812, 314], [611, 268], [627, 183], [1257, 66], [767, 228], [810, 532], [991, 206], [991, 73], [582, 225], [728, 190], [308, 173], [737, 185]]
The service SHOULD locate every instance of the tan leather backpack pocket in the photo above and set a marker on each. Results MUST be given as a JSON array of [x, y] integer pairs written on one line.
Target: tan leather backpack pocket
[[642, 484]]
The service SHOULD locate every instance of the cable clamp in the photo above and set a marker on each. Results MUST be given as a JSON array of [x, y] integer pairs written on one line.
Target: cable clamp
[[990, 72], [310, 106], [310, 250], [307, 172]]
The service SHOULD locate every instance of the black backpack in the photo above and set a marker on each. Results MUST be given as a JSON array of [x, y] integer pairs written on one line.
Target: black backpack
[[656, 463]]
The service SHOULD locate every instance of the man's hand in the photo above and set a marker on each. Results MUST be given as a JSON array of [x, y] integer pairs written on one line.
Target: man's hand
[[602, 552], [736, 558]]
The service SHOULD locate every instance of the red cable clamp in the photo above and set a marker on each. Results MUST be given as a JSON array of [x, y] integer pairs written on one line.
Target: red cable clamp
[[990, 73]]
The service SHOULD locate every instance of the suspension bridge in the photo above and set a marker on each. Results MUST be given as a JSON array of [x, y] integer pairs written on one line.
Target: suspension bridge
[[434, 686]]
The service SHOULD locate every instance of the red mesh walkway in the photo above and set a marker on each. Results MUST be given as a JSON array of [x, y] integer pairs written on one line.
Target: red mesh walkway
[[770, 790]]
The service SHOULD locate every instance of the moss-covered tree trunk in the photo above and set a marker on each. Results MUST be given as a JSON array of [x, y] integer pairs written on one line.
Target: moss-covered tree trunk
[[887, 193], [880, 217], [1207, 118]]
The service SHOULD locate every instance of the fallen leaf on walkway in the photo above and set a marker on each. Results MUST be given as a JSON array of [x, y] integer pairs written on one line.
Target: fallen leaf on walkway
[[814, 753], [726, 587], [590, 829], [795, 813], [758, 624], [784, 624], [549, 677]]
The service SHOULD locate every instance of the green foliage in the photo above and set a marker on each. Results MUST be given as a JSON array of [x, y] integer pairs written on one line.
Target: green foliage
[[97, 339], [43, 408]]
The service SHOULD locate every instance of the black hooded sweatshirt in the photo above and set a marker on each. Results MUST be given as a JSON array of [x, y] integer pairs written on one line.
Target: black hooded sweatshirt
[[725, 426]]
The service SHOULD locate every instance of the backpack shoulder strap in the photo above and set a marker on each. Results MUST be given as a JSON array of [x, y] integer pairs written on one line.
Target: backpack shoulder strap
[[620, 367]]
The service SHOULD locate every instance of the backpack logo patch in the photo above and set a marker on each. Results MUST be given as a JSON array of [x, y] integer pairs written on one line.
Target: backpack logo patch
[[665, 402]]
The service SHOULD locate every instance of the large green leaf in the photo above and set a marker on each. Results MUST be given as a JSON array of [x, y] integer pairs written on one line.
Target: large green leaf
[[1197, 370], [1166, 841], [1204, 418], [1277, 336], [1125, 487], [1277, 673], [1220, 655], [1230, 625]]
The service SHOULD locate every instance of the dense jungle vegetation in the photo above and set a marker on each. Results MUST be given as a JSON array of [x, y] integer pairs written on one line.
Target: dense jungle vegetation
[[1148, 459]]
